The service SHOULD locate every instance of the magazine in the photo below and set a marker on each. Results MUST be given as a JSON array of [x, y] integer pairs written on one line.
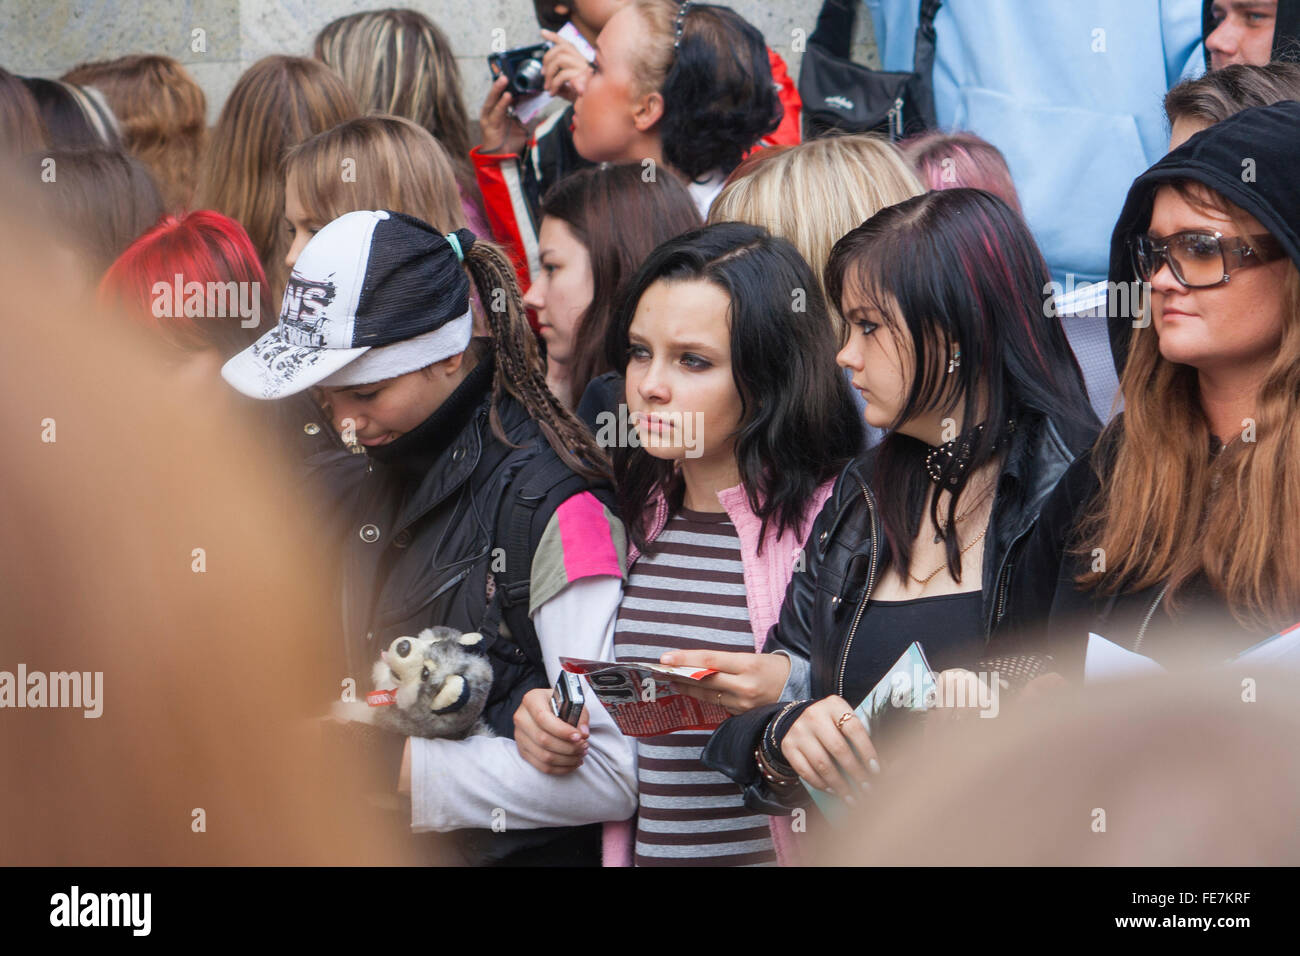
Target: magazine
[[908, 688]]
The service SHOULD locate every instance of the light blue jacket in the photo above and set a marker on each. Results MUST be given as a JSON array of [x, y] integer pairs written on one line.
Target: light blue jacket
[[1069, 90]]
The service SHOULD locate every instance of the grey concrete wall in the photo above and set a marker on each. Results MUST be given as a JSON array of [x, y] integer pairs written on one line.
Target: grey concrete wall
[[218, 39]]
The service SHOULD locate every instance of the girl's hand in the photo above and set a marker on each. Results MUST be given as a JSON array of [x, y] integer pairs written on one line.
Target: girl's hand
[[501, 131], [744, 681], [545, 741], [564, 69], [820, 740]]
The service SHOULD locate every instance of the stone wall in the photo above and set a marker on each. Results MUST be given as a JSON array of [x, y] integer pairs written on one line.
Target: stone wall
[[218, 39]]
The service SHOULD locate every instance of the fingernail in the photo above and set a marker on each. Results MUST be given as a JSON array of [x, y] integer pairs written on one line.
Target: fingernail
[[831, 791], [864, 786], [873, 765], [575, 737], [850, 801]]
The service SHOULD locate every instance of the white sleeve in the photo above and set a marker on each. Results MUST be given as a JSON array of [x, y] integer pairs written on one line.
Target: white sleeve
[[457, 784]]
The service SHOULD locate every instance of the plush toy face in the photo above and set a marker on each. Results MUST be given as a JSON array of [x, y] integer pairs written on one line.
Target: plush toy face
[[403, 662], [428, 667]]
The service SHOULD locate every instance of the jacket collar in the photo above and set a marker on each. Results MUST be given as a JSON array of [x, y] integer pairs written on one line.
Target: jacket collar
[[471, 448], [412, 455]]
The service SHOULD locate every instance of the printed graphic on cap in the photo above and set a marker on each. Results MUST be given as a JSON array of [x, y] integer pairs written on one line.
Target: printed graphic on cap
[[283, 361], [305, 309]]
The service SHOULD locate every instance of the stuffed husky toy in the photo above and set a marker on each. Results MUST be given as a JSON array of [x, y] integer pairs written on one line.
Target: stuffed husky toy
[[433, 685]]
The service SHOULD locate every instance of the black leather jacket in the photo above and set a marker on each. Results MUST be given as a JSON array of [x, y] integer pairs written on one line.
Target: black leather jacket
[[825, 601]]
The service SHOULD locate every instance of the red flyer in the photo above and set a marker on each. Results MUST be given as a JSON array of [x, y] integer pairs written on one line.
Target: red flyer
[[643, 701]]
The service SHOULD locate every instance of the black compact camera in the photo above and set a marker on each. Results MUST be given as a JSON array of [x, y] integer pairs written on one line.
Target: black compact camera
[[523, 66]]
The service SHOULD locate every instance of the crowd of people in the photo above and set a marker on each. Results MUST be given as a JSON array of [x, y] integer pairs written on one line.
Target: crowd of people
[[859, 416]]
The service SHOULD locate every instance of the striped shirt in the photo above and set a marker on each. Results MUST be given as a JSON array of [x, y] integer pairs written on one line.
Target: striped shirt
[[689, 593]]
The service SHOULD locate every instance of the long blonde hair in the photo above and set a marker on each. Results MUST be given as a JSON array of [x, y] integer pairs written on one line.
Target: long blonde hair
[[162, 112], [398, 62], [1169, 512], [278, 102], [816, 192], [396, 165]]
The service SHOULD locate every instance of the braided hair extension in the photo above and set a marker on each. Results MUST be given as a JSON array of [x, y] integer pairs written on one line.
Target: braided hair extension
[[520, 369]]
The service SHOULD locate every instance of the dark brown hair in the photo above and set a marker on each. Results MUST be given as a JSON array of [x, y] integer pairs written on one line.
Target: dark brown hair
[[98, 200], [620, 218], [20, 120], [278, 102], [520, 370], [72, 116]]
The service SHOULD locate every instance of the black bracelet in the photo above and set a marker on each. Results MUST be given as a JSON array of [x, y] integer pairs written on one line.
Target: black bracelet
[[771, 747]]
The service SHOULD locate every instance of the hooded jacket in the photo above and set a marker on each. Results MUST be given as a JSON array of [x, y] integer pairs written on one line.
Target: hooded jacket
[[1286, 30], [1069, 92], [1249, 159]]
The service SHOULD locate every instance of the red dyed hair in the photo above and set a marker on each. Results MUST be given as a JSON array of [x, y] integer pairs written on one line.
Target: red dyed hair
[[204, 247]]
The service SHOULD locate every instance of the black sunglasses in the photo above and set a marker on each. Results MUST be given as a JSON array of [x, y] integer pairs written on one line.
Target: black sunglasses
[[1199, 260]]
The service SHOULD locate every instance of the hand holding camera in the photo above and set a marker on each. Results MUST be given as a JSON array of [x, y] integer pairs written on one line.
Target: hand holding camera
[[564, 69]]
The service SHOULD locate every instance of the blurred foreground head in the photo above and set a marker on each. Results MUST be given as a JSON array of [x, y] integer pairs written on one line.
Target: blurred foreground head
[[144, 537], [1170, 771]]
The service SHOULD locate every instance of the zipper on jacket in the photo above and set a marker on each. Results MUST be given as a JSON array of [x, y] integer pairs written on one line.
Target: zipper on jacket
[[1142, 631], [1004, 581], [866, 594], [404, 613], [894, 119]]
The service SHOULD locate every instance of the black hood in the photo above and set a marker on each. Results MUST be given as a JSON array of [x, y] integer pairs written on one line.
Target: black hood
[[1286, 30], [1250, 159]]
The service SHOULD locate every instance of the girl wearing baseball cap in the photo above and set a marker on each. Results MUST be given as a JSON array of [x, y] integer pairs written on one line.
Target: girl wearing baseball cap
[[484, 509]]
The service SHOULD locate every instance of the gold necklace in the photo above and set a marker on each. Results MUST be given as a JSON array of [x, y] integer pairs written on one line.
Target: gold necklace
[[930, 577], [938, 535]]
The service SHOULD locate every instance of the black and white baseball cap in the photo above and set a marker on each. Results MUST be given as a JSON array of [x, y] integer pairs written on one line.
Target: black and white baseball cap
[[374, 295]]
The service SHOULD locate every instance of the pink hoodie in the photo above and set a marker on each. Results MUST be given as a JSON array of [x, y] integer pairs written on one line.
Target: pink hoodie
[[766, 578]]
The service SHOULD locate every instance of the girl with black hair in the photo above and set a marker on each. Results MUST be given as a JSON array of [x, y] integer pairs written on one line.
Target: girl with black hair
[[949, 341], [742, 423]]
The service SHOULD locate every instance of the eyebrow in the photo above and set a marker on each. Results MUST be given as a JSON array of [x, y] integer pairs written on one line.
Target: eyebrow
[[681, 346]]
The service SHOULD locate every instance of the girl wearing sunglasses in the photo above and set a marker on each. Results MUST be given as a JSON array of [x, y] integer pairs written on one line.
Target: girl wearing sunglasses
[[1176, 536]]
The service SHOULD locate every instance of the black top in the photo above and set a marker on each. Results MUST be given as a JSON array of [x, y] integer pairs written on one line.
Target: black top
[[949, 627]]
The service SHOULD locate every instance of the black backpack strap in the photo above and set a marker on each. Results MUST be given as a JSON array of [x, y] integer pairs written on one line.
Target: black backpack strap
[[530, 499], [834, 30], [923, 62]]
